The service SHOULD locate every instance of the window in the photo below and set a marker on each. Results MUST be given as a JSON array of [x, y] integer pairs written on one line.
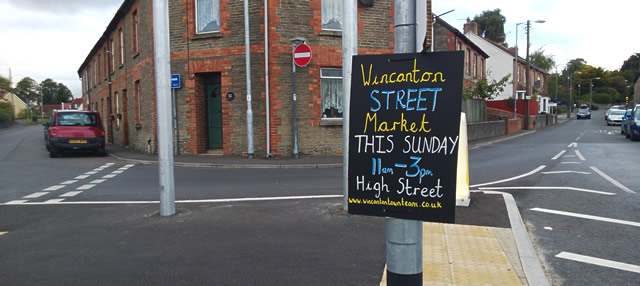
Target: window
[[468, 63], [98, 65], [86, 79], [458, 46], [331, 89], [95, 73], [475, 65], [138, 102], [115, 94], [112, 55], [106, 67], [482, 67], [332, 15], [121, 46], [207, 16], [135, 32]]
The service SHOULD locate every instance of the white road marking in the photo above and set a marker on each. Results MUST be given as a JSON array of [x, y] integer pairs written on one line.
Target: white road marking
[[574, 144], [70, 194], [578, 139], [86, 187], [592, 217], [565, 172], [69, 182], [35, 195], [548, 228], [16, 202], [108, 164], [81, 177], [600, 262], [90, 173], [549, 188], [580, 155], [3, 232], [109, 176], [54, 188], [570, 163], [616, 183], [129, 165], [569, 156], [98, 181], [60, 202], [559, 154], [117, 172], [511, 179]]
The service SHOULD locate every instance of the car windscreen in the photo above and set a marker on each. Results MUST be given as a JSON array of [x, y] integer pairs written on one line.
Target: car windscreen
[[77, 119], [617, 112], [583, 110]]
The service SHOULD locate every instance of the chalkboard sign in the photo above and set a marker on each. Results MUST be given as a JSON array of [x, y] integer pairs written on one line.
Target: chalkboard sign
[[403, 135]]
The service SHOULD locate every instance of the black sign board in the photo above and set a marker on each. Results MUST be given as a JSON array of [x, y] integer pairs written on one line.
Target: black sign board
[[403, 135]]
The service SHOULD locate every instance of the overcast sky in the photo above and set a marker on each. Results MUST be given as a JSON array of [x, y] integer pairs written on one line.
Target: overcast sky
[[50, 39]]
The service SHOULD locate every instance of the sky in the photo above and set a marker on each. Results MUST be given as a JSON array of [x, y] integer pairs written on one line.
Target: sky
[[50, 39]]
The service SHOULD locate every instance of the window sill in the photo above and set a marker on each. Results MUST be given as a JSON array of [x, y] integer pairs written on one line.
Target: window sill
[[207, 36], [138, 125], [330, 33], [121, 66], [331, 122], [136, 55]]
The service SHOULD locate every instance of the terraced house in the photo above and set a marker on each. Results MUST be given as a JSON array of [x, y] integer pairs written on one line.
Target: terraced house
[[208, 52]]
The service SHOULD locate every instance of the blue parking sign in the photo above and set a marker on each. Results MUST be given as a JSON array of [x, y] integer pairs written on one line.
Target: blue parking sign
[[175, 81]]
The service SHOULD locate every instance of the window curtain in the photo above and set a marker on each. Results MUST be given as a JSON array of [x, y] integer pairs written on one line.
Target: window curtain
[[208, 16], [332, 15], [331, 98]]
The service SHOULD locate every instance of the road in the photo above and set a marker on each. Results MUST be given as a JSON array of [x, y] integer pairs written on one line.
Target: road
[[577, 189], [574, 184]]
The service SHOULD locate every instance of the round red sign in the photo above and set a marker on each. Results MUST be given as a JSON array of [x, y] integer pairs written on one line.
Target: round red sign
[[302, 55]]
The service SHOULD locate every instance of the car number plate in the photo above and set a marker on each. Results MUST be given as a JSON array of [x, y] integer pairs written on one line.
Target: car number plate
[[78, 141]]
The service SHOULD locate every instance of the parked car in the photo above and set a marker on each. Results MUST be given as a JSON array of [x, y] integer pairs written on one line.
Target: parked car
[[633, 130], [73, 130], [615, 117], [583, 112], [624, 125], [613, 107]]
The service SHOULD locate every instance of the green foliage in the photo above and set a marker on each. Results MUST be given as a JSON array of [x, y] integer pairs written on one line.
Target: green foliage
[[632, 64], [27, 89], [27, 112], [602, 98], [54, 93], [486, 90], [595, 107], [539, 59], [6, 112], [491, 25], [5, 83]]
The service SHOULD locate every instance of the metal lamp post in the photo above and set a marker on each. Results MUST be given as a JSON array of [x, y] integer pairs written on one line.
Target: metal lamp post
[[570, 107], [528, 84], [591, 91], [515, 75]]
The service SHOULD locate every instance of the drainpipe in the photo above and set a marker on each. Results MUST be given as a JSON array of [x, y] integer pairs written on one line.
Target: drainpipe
[[266, 74], [247, 51]]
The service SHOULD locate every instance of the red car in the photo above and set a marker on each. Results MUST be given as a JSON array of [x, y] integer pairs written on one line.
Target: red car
[[74, 130]]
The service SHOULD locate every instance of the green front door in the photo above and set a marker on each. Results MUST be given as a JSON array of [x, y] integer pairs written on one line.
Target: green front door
[[214, 115]]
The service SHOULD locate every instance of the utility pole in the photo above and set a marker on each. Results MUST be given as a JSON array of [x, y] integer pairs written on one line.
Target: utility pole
[[404, 237], [162, 69], [247, 52], [349, 49], [528, 84]]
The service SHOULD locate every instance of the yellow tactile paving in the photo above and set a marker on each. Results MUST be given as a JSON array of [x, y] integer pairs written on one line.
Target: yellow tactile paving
[[3, 232], [463, 255]]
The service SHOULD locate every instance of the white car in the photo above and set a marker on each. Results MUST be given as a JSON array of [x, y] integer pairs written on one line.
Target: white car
[[615, 117]]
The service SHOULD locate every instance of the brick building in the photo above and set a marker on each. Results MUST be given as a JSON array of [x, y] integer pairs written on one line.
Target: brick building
[[448, 38], [208, 51]]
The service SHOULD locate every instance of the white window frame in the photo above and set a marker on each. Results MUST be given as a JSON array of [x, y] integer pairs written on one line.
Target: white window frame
[[138, 99], [322, 17], [322, 96], [196, 21], [136, 36], [121, 31]]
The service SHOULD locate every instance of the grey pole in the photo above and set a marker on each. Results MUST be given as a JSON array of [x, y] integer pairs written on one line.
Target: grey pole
[[174, 109], [162, 60], [515, 77], [570, 97], [349, 49], [404, 237], [528, 92], [247, 52], [295, 111]]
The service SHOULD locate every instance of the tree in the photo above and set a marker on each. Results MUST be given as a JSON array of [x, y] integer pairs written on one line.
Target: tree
[[54, 93], [485, 89], [491, 25], [5, 83], [27, 89], [632, 64], [539, 59]]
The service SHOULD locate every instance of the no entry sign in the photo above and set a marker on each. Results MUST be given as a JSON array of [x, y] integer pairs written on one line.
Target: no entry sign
[[302, 55]]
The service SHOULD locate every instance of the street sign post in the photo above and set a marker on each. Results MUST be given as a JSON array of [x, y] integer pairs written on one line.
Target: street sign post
[[175, 80], [302, 55]]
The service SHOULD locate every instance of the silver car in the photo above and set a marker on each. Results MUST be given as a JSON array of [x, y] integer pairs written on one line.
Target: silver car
[[615, 117]]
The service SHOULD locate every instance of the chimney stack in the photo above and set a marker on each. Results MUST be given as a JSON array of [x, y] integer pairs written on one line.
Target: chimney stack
[[470, 26]]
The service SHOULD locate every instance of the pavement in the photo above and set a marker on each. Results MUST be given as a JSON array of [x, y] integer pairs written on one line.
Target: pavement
[[481, 248]]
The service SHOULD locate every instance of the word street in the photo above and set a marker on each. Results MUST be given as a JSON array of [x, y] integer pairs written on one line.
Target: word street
[[405, 188]]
